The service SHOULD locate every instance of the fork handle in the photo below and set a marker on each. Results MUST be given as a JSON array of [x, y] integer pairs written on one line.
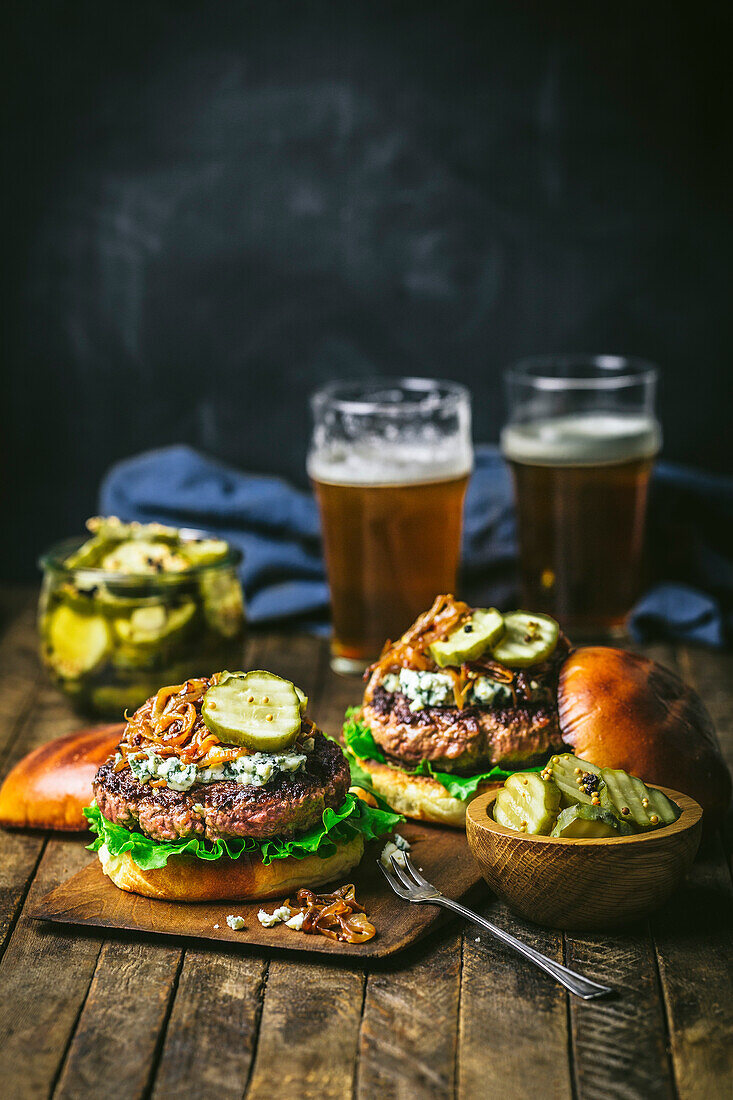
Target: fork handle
[[575, 983]]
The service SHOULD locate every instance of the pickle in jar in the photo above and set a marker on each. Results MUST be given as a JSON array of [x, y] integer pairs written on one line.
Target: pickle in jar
[[135, 606], [155, 624], [201, 552], [76, 643], [222, 602], [143, 556]]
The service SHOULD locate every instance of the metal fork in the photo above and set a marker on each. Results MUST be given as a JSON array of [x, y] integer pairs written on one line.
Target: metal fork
[[408, 883]]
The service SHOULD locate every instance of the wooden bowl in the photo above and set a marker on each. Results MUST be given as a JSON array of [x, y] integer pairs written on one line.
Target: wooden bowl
[[583, 884]]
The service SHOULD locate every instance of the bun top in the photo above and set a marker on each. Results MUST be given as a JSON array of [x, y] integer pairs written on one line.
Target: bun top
[[619, 710], [49, 788]]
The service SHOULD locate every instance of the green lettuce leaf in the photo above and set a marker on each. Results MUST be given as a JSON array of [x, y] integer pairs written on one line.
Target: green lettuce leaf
[[465, 786], [352, 817], [360, 743], [358, 738]]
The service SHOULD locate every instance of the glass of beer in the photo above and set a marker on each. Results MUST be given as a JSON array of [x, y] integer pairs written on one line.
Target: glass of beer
[[389, 461], [581, 441]]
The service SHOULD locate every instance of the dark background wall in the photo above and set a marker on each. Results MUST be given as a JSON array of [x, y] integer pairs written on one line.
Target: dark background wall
[[213, 207]]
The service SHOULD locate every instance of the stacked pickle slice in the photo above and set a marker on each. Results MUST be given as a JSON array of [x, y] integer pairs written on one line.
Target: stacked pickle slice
[[572, 798], [517, 639]]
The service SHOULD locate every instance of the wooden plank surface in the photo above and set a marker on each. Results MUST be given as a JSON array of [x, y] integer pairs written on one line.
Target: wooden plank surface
[[212, 1031], [44, 977], [409, 1041], [513, 1033], [619, 1043], [309, 1032], [124, 1013], [693, 935], [454, 1017]]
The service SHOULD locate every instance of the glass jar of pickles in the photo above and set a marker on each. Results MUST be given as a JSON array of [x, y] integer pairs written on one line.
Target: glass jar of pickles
[[136, 606]]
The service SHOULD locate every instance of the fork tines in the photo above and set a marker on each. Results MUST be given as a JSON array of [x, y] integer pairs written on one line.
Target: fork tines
[[406, 880]]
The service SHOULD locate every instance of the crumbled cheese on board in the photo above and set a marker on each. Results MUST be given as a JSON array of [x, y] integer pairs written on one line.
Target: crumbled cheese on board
[[388, 852], [269, 920]]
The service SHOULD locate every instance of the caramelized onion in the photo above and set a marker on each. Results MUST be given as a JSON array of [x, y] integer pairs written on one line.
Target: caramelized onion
[[170, 724], [487, 666], [411, 650], [338, 916]]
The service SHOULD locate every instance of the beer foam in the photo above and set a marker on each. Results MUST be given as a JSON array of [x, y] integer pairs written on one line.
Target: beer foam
[[380, 463], [585, 439]]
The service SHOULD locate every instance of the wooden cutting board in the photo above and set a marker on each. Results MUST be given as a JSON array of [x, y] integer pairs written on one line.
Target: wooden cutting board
[[89, 898]]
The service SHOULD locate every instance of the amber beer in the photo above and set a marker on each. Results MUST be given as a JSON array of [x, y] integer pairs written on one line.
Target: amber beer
[[389, 549], [389, 461], [581, 484]]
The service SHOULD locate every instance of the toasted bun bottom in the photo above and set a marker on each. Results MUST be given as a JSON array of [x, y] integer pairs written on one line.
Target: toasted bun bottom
[[419, 796], [187, 878]]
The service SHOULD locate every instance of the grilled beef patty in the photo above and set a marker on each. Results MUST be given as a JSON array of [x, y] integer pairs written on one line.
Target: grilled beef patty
[[467, 740], [290, 804]]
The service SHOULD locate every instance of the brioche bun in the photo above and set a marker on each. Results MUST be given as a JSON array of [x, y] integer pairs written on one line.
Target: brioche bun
[[50, 786], [187, 878], [418, 796], [619, 710]]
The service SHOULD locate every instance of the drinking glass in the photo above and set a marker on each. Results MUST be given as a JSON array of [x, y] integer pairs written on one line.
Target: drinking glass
[[389, 461], [581, 441]]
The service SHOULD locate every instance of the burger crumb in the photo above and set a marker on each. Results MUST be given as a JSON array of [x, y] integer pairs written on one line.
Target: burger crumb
[[236, 923]]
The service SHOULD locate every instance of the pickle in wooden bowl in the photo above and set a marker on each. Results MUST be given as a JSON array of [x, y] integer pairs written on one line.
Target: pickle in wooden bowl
[[135, 606]]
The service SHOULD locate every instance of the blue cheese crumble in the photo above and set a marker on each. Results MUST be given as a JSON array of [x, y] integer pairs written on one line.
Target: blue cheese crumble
[[435, 689], [250, 771], [269, 920], [389, 852], [235, 922]]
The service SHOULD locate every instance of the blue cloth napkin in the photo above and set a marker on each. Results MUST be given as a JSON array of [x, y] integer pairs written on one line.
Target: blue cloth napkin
[[276, 526]]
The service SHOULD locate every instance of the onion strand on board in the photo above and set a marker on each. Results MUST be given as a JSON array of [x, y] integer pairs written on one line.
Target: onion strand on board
[[338, 916]]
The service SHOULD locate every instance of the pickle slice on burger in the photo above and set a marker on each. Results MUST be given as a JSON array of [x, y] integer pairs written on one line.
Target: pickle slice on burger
[[528, 639], [469, 640], [258, 710]]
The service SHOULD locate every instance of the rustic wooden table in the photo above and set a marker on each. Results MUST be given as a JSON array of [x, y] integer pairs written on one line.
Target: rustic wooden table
[[85, 1014]]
